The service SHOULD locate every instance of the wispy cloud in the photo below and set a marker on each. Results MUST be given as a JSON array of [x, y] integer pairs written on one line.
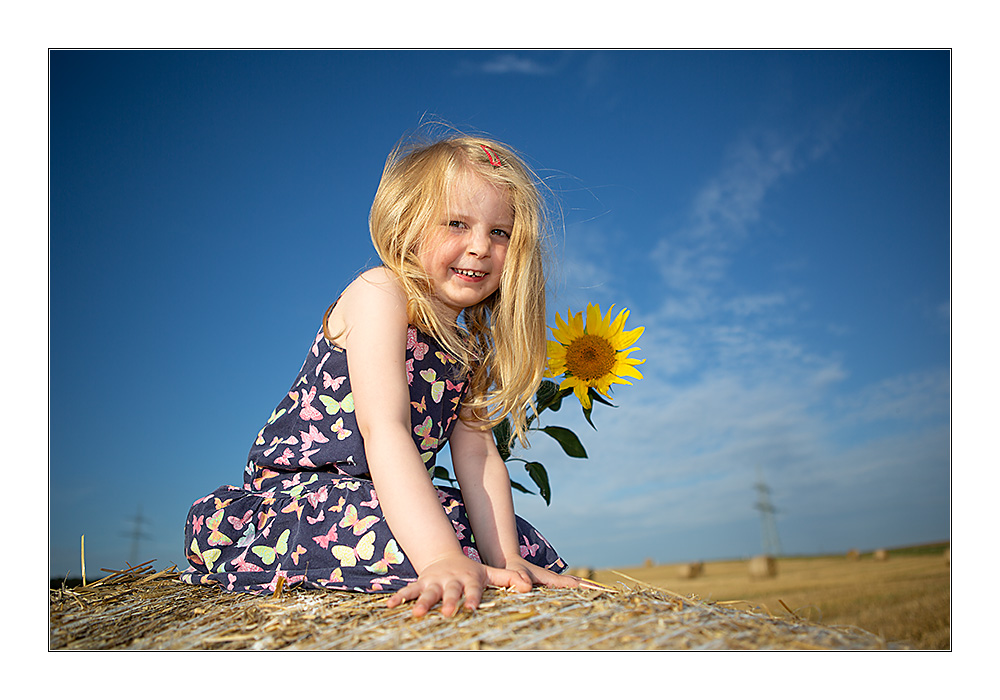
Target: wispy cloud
[[506, 64]]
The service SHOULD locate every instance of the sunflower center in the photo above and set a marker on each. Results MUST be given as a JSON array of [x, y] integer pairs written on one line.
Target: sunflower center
[[590, 357]]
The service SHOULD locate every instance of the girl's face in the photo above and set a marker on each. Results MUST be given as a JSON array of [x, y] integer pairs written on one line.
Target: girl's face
[[468, 246]]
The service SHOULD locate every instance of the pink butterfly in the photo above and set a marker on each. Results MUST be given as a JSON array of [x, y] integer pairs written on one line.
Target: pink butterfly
[[454, 387], [294, 481], [528, 549], [313, 521], [372, 503], [315, 347], [312, 436], [419, 349], [422, 406], [240, 523], [279, 574], [305, 461], [317, 497], [196, 522], [299, 551], [322, 362], [285, 456], [243, 565], [325, 540], [308, 412], [332, 382], [472, 554], [409, 371]]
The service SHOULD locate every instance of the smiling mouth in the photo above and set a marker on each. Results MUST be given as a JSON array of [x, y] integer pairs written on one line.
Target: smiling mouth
[[471, 274]]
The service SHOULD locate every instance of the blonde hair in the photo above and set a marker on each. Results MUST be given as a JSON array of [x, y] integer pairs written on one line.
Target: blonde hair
[[504, 337]]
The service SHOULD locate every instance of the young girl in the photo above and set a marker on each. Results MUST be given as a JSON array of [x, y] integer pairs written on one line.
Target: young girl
[[434, 347]]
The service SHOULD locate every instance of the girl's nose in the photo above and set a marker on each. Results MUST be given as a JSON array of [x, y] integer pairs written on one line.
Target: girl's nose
[[479, 243]]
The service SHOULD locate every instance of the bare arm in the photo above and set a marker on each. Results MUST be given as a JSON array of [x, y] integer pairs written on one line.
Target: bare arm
[[371, 321], [485, 483]]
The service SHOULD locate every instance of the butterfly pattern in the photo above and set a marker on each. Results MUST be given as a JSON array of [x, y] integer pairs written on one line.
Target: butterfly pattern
[[307, 510]]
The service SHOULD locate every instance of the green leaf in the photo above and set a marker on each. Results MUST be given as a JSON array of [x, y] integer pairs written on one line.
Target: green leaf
[[501, 433], [595, 395], [547, 392], [568, 440], [586, 414], [538, 474], [441, 473], [520, 488]]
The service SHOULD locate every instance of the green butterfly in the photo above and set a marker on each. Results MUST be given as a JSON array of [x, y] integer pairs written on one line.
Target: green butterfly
[[333, 407], [267, 554]]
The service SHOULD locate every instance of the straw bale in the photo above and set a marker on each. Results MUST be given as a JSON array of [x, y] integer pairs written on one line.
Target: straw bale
[[692, 570], [881, 555], [853, 555], [159, 612], [763, 567]]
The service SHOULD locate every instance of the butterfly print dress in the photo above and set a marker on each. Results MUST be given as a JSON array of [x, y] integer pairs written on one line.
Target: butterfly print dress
[[307, 511]]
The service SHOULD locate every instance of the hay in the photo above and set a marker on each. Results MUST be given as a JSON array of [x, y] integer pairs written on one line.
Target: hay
[[136, 609]]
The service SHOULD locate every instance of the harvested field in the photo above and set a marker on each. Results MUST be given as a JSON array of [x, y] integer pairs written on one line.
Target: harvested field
[[904, 599], [143, 610]]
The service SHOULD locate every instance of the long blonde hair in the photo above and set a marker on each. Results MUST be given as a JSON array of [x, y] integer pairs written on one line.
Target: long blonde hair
[[504, 337]]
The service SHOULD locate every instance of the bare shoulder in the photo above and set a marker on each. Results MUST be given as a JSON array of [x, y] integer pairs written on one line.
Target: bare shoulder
[[373, 303]]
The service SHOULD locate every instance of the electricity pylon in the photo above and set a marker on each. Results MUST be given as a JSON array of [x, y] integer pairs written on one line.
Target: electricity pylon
[[136, 535], [768, 528]]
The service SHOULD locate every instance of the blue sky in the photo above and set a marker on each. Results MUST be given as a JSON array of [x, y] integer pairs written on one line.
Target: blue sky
[[778, 221]]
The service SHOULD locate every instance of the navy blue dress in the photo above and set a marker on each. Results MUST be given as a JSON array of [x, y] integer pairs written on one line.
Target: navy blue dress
[[308, 511]]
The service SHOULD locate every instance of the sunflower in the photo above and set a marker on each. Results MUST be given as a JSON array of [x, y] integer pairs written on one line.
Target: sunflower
[[593, 351]]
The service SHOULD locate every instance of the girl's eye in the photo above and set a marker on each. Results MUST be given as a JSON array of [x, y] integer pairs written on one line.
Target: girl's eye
[[500, 232], [457, 224]]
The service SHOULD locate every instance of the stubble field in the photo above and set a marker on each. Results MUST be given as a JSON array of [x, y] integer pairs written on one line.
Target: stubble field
[[905, 599]]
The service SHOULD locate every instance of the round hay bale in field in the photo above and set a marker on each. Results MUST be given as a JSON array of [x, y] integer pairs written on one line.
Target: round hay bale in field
[[881, 555], [763, 566], [160, 612], [582, 572], [853, 555], [650, 563], [692, 570]]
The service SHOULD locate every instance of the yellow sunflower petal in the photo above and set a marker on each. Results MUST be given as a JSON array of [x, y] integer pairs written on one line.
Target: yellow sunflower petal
[[595, 322], [626, 338], [619, 323]]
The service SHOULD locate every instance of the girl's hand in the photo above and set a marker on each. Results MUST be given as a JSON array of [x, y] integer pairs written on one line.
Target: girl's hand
[[541, 576], [454, 577]]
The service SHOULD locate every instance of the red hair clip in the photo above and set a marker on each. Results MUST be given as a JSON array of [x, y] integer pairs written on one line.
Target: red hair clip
[[494, 161]]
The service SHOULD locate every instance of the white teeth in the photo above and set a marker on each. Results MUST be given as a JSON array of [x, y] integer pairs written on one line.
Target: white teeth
[[470, 273]]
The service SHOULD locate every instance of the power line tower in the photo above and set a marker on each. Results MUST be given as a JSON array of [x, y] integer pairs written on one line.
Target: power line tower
[[768, 528], [136, 534]]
